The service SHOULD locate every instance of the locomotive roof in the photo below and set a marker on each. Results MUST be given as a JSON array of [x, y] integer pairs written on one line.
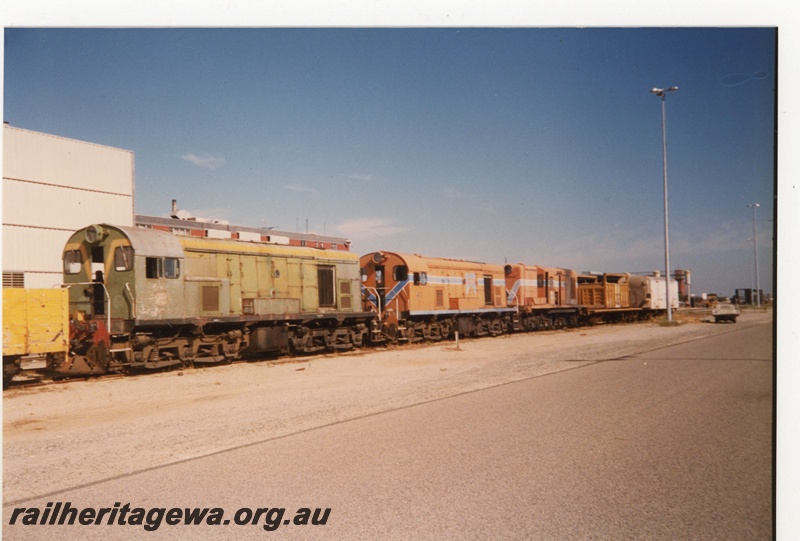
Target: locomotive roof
[[256, 248], [150, 242], [416, 262]]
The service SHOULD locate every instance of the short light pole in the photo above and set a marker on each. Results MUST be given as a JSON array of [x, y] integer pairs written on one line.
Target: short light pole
[[660, 92], [756, 293]]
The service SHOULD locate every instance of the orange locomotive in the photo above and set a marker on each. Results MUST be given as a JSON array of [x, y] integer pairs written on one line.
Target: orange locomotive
[[546, 297], [423, 298]]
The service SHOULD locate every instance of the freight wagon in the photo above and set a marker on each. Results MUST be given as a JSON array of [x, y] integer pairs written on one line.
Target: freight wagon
[[35, 323]]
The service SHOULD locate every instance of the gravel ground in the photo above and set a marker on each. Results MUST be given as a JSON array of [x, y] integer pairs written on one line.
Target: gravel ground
[[64, 435]]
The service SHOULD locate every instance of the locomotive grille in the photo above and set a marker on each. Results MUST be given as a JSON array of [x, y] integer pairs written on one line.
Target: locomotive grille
[[13, 279], [345, 301]]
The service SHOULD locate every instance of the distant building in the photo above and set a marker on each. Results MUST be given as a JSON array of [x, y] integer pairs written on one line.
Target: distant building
[[53, 186], [747, 296], [684, 279], [182, 223]]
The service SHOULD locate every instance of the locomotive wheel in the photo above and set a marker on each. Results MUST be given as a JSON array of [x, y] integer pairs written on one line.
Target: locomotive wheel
[[446, 329]]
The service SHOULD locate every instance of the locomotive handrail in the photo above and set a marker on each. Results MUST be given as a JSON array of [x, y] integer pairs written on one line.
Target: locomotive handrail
[[378, 298], [133, 300], [511, 293], [105, 292]]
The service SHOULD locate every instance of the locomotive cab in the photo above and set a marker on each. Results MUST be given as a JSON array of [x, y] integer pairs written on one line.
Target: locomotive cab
[[120, 279], [111, 270]]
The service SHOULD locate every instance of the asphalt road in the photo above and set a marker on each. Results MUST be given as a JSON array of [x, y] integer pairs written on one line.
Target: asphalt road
[[672, 444]]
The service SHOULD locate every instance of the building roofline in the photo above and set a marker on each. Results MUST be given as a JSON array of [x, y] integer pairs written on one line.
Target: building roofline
[[203, 225]]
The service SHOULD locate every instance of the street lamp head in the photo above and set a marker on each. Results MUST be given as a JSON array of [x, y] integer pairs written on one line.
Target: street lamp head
[[753, 205], [660, 91]]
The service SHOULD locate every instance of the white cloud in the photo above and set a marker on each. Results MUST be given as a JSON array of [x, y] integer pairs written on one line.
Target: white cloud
[[207, 162], [360, 228]]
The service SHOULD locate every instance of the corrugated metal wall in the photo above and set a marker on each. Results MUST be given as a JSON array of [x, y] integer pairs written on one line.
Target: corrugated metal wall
[[55, 207], [53, 186], [48, 159]]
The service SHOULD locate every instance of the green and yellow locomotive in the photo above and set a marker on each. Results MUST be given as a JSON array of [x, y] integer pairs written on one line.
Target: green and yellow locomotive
[[144, 298]]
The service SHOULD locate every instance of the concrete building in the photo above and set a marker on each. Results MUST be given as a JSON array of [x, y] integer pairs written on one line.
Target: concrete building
[[51, 187]]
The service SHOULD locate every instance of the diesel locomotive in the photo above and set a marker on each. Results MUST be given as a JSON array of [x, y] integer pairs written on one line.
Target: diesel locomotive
[[424, 298], [143, 298]]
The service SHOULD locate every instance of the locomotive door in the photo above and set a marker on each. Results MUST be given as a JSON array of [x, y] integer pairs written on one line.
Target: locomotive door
[[559, 292], [233, 271], [547, 288], [98, 291], [487, 290], [380, 284]]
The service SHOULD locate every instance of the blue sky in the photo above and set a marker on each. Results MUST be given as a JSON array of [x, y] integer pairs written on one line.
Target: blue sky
[[533, 145]]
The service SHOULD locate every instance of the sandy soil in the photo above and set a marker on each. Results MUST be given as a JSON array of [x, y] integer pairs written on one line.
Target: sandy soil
[[69, 434]]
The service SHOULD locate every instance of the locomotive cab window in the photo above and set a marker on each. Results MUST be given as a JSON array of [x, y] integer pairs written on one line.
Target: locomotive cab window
[[168, 267], [400, 273], [72, 262], [172, 267], [123, 258], [420, 278], [152, 267]]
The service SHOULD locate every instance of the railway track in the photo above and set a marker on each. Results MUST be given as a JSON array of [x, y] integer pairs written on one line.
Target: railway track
[[32, 376]]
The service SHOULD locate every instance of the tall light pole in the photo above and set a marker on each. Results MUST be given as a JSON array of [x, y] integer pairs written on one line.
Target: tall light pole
[[660, 92], [754, 206]]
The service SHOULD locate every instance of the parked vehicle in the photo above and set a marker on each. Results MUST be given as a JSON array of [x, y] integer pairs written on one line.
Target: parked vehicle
[[725, 311]]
